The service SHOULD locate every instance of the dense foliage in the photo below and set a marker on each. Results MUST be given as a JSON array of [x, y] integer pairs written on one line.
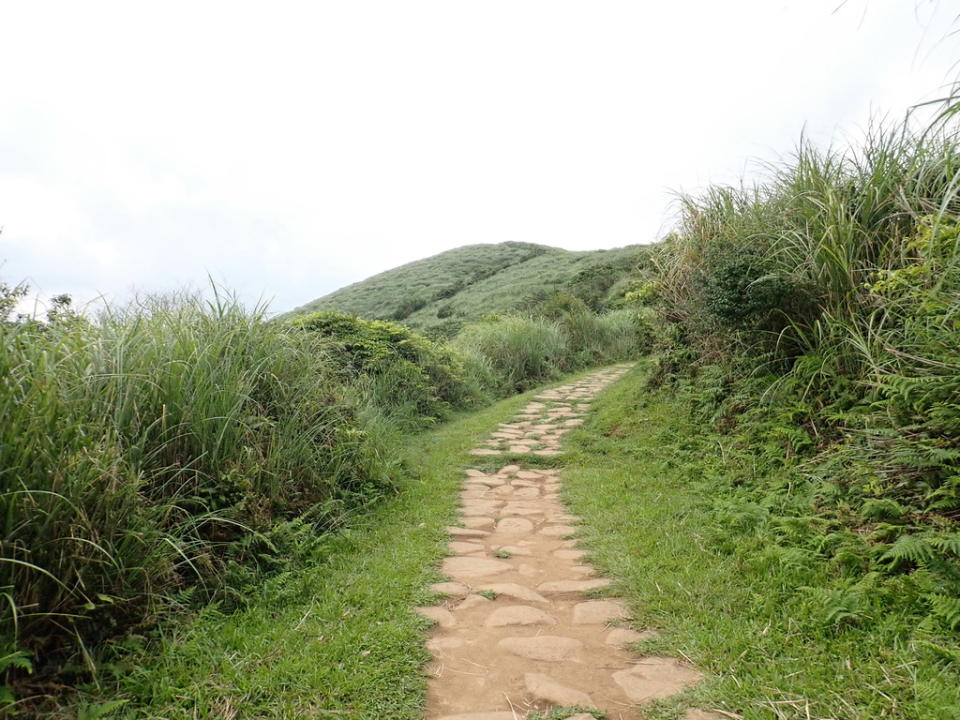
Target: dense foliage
[[719, 542], [817, 318], [416, 379]]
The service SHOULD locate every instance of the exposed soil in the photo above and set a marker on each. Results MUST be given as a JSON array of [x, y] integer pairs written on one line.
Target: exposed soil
[[524, 628]]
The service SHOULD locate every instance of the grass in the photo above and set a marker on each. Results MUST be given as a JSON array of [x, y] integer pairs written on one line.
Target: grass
[[562, 713], [462, 285], [338, 639], [652, 486], [816, 316], [149, 459], [178, 452]]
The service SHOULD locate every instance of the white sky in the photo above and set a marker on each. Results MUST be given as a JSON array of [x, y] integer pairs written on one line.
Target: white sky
[[288, 149]]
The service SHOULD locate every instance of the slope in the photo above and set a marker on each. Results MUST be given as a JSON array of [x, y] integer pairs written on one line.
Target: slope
[[443, 291]]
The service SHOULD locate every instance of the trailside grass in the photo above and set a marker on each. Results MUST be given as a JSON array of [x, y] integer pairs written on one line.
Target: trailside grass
[[653, 491], [337, 640]]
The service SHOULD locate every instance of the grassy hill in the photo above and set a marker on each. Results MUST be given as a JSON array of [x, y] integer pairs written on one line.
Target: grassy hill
[[441, 292]]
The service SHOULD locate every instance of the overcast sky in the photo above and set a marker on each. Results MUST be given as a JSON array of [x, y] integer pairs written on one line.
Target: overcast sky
[[287, 149]]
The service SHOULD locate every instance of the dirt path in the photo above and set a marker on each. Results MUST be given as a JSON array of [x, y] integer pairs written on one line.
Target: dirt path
[[520, 632]]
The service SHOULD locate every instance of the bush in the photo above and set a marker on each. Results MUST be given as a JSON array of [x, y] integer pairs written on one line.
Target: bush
[[412, 378]]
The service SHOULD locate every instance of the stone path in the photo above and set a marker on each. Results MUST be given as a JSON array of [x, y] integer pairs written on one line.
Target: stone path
[[520, 632]]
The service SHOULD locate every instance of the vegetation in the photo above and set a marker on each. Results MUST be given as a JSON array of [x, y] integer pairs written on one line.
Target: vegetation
[[800, 435], [519, 352], [778, 491], [415, 379], [335, 635], [157, 457], [440, 294], [717, 546], [179, 453], [819, 315]]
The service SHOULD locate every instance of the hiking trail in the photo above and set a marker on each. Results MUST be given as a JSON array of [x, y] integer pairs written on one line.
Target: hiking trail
[[519, 632]]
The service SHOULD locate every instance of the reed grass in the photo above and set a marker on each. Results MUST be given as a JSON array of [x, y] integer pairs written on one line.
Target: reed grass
[[147, 451]]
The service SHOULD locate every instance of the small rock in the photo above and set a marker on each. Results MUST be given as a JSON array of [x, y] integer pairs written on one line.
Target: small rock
[[514, 549], [655, 677], [558, 530], [441, 616], [572, 586], [477, 522], [551, 648], [465, 532], [626, 636], [513, 590], [469, 567], [514, 525], [473, 601], [598, 612], [545, 688], [519, 615], [453, 589], [458, 547]]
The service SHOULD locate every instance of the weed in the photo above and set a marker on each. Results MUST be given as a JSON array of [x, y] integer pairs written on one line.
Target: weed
[[562, 713]]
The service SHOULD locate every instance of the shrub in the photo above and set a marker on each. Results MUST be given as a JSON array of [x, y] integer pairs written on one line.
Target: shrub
[[406, 374]]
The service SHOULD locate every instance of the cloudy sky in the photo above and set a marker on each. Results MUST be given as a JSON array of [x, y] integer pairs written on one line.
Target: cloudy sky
[[289, 148]]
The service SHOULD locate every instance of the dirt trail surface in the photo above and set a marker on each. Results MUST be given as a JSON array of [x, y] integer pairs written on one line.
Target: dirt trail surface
[[520, 632]]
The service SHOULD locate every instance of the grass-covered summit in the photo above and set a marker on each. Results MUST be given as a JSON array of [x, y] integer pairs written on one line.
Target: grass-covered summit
[[444, 291]]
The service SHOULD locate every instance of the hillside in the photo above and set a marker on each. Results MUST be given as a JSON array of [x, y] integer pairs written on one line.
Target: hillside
[[441, 292]]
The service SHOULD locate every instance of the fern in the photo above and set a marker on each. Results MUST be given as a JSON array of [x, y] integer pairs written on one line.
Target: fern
[[17, 660], [913, 549], [947, 543], [838, 606], [946, 608]]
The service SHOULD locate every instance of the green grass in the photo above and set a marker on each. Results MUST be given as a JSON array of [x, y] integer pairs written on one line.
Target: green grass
[[339, 639], [653, 488], [562, 713], [462, 285]]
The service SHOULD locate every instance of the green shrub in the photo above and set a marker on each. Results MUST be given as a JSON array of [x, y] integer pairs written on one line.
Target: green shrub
[[411, 377]]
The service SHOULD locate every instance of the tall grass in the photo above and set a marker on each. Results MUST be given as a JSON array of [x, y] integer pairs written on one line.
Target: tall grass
[[520, 352], [517, 352], [821, 312], [153, 450]]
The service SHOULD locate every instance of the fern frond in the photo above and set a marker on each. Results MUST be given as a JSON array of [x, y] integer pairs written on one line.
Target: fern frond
[[915, 549], [947, 543], [947, 608]]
